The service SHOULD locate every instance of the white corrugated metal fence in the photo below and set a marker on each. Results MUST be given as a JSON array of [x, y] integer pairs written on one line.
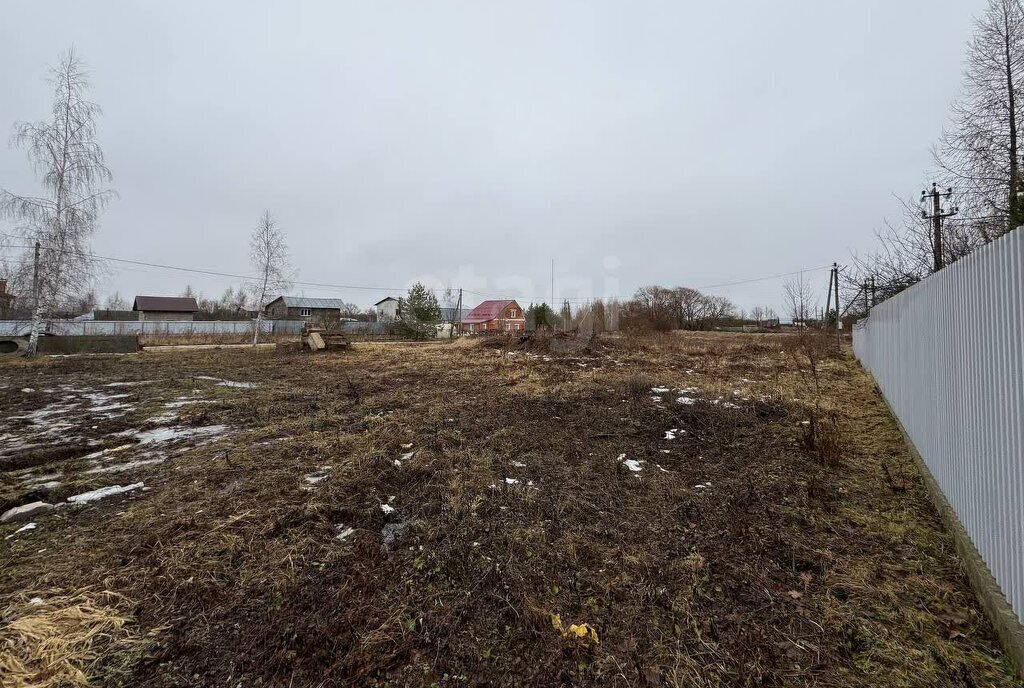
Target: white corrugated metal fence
[[947, 354], [151, 327]]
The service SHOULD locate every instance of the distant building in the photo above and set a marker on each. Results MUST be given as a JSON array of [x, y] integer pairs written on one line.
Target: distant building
[[453, 314], [6, 300], [495, 316], [303, 308], [165, 307], [388, 308]]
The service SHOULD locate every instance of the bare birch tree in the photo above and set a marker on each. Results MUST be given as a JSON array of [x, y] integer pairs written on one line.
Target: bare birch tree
[[71, 168], [981, 152], [799, 298], [269, 254]]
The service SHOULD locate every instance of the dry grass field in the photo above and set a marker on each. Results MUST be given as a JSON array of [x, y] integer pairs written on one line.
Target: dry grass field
[[684, 510]]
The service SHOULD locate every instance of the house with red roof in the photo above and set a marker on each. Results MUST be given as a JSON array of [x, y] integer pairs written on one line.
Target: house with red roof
[[501, 315]]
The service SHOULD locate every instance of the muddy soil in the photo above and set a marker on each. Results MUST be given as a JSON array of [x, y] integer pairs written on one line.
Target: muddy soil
[[650, 511]]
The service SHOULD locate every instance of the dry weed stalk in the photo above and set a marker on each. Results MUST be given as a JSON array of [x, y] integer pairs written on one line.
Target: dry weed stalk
[[55, 641]]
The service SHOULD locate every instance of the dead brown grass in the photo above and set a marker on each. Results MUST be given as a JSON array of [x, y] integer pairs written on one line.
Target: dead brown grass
[[742, 557], [53, 639]]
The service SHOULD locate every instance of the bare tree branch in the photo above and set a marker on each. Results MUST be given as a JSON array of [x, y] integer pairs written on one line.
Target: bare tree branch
[[269, 254], [71, 168]]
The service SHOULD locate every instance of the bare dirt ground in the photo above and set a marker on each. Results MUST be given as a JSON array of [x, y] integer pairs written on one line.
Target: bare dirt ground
[[648, 512]]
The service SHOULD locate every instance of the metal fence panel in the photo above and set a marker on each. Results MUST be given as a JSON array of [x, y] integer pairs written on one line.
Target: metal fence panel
[[948, 354], [152, 327]]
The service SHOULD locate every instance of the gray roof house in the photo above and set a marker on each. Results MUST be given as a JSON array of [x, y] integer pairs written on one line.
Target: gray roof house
[[165, 307], [307, 308]]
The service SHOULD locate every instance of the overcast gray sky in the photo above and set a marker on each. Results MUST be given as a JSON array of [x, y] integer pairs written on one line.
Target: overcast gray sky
[[468, 143]]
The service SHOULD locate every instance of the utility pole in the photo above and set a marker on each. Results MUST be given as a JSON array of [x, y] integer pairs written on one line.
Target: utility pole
[[937, 216], [33, 340], [459, 310], [828, 299], [839, 322], [874, 294]]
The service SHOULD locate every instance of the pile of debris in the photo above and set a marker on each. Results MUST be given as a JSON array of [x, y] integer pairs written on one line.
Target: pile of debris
[[571, 342], [317, 339]]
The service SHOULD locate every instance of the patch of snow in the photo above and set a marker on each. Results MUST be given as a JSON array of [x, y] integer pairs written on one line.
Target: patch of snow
[[686, 400], [404, 457], [25, 511], [660, 390], [111, 450], [185, 401], [511, 481], [318, 476], [98, 398], [120, 467], [243, 385], [36, 601], [227, 383], [387, 509], [632, 464], [25, 528], [170, 434], [109, 407], [28, 390], [46, 477], [343, 531], [95, 495], [128, 384]]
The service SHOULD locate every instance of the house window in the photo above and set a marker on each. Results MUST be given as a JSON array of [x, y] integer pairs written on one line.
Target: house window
[[518, 327], [306, 312], [512, 312]]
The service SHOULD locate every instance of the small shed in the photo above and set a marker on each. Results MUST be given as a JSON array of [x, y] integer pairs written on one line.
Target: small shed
[[165, 307], [305, 308], [387, 308]]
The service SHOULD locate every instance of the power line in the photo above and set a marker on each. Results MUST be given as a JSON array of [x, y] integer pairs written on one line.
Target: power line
[[325, 285], [763, 279], [207, 272], [709, 286]]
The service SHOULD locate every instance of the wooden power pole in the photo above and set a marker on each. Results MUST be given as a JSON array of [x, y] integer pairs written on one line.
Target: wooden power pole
[[458, 312], [937, 216], [839, 322]]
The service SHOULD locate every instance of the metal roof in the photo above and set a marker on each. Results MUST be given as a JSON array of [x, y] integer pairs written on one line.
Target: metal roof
[[309, 302], [386, 298], [488, 310], [451, 313], [166, 304]]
